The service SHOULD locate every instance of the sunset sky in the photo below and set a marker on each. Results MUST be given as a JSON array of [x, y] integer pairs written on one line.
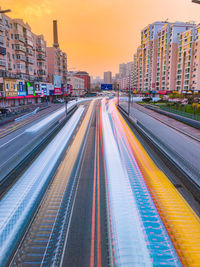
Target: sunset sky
[[97, 35]]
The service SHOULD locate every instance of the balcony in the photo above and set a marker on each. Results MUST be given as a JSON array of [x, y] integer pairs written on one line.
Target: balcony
[[20, 48], [1, 28], [40, 49], [20, 57], [41, 57], [20, 38], [2, 63], [2, 39], [28, 42], [29, 60]]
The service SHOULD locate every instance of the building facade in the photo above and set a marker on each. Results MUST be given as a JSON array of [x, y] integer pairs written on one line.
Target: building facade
[[77, 85], [168, 40], [185, 60], [149, 50], [85, 76], [108, 77]]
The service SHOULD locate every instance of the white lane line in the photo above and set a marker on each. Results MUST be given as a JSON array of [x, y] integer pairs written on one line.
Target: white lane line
[[11, 140]]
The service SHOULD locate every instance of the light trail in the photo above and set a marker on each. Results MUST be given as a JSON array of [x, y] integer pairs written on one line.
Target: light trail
[[181, 222], [18, 204], [127, 240]]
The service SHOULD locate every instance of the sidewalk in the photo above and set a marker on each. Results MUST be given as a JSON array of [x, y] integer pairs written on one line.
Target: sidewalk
[[184, 128]]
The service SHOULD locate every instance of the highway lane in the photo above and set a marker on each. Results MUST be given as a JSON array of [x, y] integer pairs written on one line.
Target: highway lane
[[86, 242], [86, 239], [184, 146], [25, 138]]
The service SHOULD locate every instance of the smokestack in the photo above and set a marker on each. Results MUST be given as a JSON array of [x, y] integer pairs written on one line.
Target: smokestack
[[55, 34]]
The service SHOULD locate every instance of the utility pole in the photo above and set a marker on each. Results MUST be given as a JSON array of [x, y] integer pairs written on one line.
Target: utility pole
[[129, 95]]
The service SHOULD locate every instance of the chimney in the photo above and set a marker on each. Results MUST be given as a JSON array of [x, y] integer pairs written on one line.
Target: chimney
[[55, 34]]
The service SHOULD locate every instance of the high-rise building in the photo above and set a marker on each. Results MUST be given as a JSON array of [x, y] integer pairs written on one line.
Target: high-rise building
[[122, 69], [149, 49], [195, 86], [108, 77], [185, 60], [168, 39]]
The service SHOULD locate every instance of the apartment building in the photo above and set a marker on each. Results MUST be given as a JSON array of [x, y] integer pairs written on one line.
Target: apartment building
[[107, 77], [185, 60], [195, 85], [168, 39], [149, 50], [77, 85], [57, 63]]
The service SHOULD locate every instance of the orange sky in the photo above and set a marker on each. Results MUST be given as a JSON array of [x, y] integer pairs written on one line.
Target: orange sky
[[99, 34]]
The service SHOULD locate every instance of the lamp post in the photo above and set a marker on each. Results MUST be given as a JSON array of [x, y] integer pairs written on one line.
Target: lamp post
[[129, 95]]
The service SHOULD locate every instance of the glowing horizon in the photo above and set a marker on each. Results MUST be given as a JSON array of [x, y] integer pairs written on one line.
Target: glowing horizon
[[97, 35]]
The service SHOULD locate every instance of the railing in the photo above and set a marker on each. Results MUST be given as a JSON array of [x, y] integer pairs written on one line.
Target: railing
[[182, 113]]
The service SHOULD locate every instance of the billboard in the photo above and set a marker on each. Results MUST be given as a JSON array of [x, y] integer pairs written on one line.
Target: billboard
[[105, 86], [30, 88], [57, 81], [57, 91]]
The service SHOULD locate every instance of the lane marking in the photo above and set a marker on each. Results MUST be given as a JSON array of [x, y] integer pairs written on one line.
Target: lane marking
[[11, 140], [92, 252], [98, 205]]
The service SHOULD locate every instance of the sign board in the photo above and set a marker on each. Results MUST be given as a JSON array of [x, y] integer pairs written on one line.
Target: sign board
[[43, 87], [22, 93], [50, 89], [37, 88], [21, 87], [105, 86], [57, 91], [57, 81], [30, 88]]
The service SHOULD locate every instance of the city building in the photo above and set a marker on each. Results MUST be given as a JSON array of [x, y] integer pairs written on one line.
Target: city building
[[168, 39], [56, 58], [122, 69], [195, 85], [185, 61], [77, 85], [149, 50], [85, 76], [108, 77]]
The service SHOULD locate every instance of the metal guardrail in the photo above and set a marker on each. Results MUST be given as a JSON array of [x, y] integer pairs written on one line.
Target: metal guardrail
[[186, 120], [182, 113]]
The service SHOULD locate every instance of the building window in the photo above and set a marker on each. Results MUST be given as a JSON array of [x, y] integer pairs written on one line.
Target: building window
[[13, 66], [13, 56], [11, 36], [7, 86]]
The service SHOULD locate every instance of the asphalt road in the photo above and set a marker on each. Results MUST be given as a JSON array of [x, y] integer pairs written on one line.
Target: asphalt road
[[186, 147], [16, 141], [86, 243]]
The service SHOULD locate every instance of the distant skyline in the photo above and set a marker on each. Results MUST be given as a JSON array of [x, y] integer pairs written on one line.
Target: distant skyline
[[97, 35]]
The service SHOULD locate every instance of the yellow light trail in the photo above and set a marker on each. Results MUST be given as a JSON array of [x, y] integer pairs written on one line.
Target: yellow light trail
[[182, 224]]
